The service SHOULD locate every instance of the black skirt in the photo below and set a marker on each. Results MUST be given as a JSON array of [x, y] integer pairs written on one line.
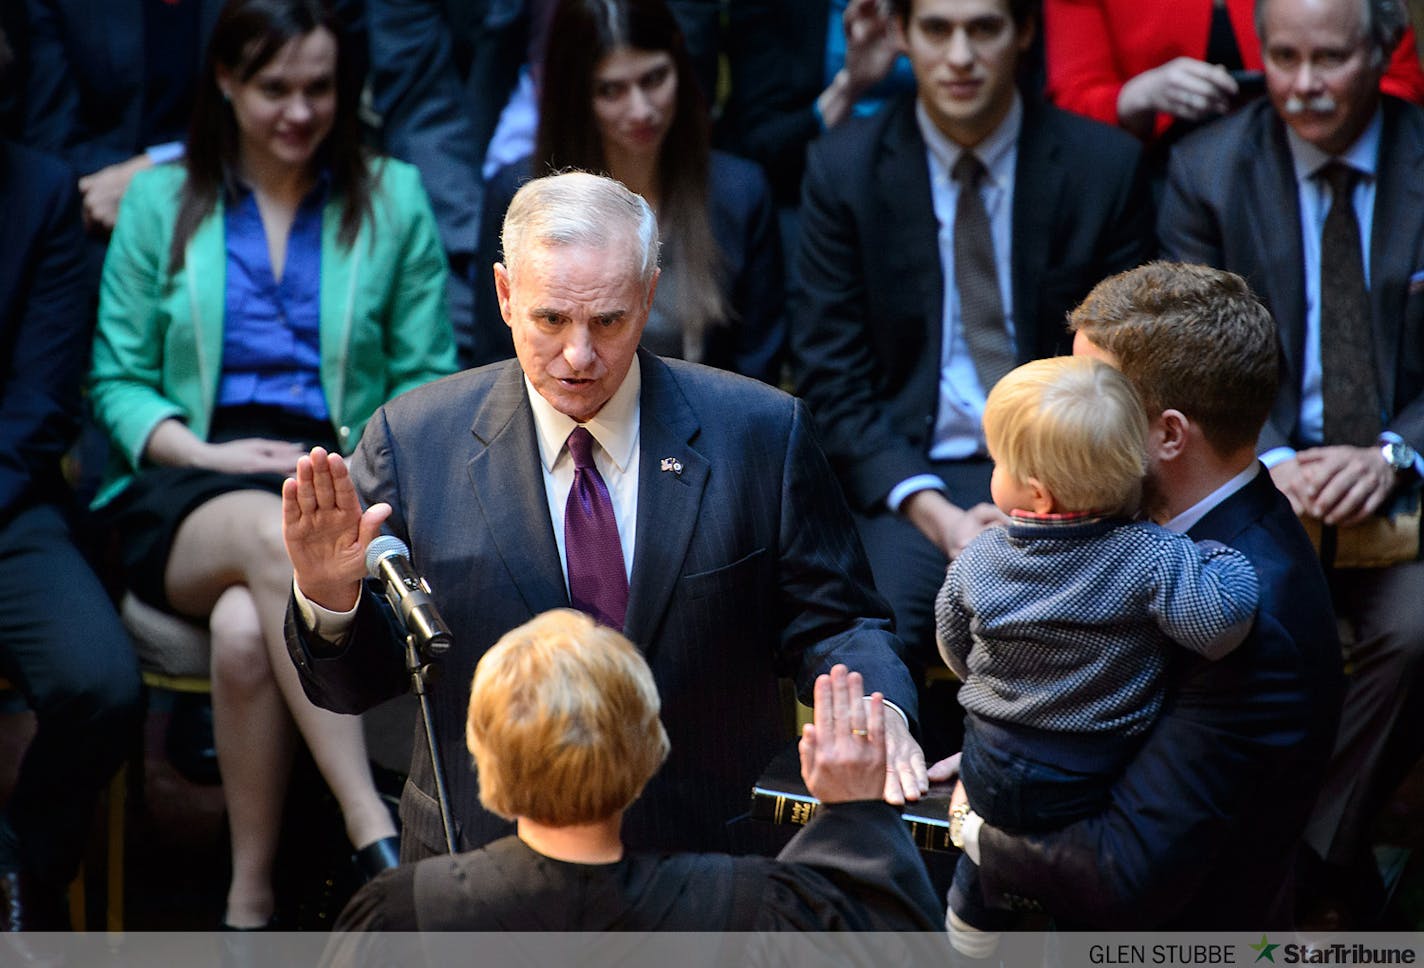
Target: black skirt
[[145, 516]]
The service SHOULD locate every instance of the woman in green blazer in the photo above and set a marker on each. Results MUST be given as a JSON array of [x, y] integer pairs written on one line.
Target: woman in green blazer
[[266, 295]]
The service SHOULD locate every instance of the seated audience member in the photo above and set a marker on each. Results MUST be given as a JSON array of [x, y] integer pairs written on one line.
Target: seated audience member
[[801, 67], [1314, 197], [618, 97], [943, 241], [98, 94], [61, 644], [1062, 624], [563, 725], [1201, 830], [268, 294], [446, 75], [686, 506], [112, 94], [1154, 65]]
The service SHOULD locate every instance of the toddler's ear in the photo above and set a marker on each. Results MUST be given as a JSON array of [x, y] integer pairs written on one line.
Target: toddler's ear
[[1043, 502]]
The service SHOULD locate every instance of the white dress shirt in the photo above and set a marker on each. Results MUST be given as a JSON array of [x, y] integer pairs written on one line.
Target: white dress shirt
[[958, 432]]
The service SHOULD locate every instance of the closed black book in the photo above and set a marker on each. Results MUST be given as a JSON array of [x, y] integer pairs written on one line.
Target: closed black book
[[780, 796]]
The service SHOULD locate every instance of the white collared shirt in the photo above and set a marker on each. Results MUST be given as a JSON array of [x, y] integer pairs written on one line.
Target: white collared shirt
[[1315, 201], [1184, 522], [615, 428], [958, 432]]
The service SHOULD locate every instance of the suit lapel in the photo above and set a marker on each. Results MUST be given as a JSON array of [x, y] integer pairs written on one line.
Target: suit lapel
[[909, 245], [669, 502], [509, 487], [1282, 257], [1395, 239], [1038, 180]]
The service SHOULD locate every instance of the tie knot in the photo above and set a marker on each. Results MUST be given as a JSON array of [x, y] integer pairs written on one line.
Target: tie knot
[[968, 170], [581, 448], [1341, 178]]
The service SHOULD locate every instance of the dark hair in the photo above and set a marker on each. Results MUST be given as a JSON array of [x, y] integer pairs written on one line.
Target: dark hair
[[7, 56], [582, 33], [248, 34], [1193, 339], [1020, 11]]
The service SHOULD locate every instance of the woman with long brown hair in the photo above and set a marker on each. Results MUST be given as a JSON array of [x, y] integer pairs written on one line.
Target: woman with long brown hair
[[618, 95], [266, 295]]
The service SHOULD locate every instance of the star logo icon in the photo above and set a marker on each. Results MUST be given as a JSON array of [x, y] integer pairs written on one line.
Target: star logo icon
[[1264, 950]]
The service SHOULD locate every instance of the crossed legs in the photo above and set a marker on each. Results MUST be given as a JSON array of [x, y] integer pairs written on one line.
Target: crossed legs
[[228, 564]]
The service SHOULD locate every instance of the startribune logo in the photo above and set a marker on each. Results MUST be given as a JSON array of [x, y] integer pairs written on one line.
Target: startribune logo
[[1265, 950], [1335, 953]]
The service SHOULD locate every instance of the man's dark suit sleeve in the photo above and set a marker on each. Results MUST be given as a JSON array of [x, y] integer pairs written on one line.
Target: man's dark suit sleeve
[[47, 347], [52, 118], [838, 373], [831, 612]]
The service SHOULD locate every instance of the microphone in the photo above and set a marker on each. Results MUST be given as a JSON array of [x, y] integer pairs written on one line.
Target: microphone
[[388, 561]]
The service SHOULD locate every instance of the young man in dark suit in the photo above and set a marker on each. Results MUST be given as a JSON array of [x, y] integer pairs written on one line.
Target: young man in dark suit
[[1256, 194], [1203, 827], [943, 242], [715, 543]]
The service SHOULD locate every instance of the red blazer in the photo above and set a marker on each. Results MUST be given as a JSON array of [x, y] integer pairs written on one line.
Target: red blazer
[[1095, 46]]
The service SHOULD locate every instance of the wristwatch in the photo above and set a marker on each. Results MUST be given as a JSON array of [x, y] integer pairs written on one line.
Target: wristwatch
[[956, 823], [1398, 454]]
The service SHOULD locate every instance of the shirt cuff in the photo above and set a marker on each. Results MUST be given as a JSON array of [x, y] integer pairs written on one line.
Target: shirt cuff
[[1277, 455], [969, 832], [910, 485], [166, 152], [890, 705], [329, 626], [1390, 437]]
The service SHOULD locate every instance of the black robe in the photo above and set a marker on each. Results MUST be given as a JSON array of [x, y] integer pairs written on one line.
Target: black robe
[[853, 868]]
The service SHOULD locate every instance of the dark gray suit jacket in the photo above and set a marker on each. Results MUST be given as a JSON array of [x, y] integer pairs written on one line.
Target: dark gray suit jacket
[[1232, 203], [84, 94], [867, 312], [746, 567]]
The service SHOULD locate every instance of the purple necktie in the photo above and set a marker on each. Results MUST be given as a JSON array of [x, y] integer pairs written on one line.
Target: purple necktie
[[598, 585]]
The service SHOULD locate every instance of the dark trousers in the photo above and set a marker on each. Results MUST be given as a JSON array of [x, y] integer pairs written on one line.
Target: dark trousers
[[909, 570], [63, 647], [1018, 790], [1382, 721]]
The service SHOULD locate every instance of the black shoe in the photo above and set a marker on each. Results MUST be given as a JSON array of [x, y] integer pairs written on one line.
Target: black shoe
[[189, 740], [27, 904], [376, 857]]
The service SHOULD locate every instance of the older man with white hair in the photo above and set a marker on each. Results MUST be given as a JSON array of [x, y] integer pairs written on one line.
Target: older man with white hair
[[1315, 197], [689, 508]]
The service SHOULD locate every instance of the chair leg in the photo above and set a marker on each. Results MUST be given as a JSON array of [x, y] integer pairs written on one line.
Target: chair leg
[[118, 796]]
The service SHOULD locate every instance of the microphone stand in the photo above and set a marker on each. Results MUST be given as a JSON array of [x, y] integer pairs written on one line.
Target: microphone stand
[[419, 683]]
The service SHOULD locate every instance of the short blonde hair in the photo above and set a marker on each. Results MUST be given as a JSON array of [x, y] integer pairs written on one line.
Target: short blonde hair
[[1078, 426], [563, 722]]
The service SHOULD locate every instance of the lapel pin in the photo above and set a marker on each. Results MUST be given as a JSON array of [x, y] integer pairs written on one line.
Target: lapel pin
[[672, 464]]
